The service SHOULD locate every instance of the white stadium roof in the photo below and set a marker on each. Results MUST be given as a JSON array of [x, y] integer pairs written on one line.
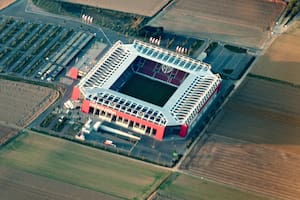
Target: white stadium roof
[[182, 106]]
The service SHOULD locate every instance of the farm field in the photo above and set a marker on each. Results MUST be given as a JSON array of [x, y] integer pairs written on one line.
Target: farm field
[[269, 110], [248, 166], [146, 8], [80, 166], [17, 184], [281, 61], [234, 21], [5, 3], [253, 144], [6, 133], [191, 188], [21, 102]]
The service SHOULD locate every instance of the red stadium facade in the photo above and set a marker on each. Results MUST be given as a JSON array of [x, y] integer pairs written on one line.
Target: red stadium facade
[[196, 88]]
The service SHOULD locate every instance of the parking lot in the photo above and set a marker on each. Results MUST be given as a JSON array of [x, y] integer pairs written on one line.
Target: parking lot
[[40, 51], [229, 64]]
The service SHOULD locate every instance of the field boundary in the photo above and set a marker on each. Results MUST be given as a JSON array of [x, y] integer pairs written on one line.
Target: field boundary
[[26, 134], [159, 176], [102, 149], [56, 93], [29, 81], [273, 80], [12, 138]]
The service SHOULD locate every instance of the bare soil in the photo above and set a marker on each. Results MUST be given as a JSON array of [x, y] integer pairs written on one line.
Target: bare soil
[[248, 166], [262, 112], [144, 7], [235, 21], [282, 61], [254, 143], [5, 3], [6, 133], [20, 102]]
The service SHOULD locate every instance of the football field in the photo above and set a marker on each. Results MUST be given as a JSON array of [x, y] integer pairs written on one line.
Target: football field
[[148, 90]]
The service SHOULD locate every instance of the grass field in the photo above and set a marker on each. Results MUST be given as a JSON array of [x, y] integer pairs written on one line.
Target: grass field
[[149, 90], [17, 184], [254, 142], [186, 187], [234, 21], [282, 61], [77, 165]]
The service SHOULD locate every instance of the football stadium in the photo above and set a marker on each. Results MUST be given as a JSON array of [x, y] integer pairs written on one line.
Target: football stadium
[[148, 90]]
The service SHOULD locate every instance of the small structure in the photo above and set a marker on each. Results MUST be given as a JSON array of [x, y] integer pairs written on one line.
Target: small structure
[[80, 136]]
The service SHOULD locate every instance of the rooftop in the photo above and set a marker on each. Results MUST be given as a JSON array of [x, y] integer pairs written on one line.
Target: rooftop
[[182, 106]]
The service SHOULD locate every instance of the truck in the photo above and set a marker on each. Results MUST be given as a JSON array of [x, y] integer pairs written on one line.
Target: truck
[[97, 125]]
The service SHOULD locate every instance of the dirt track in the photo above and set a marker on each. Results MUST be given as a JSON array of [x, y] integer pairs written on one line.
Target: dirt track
[[234, 21]]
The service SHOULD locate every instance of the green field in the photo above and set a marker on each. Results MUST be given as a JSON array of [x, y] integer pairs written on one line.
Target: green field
[[148, 90], [82, 166], [190, 188]]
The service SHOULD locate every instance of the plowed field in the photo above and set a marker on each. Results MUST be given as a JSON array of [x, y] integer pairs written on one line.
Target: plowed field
[[20, 102], [145, 7], [254, 142], [235, 21], [5, 3], [251, 167], [282, 61]]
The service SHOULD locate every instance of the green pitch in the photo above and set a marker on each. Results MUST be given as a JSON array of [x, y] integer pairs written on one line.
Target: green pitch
[[148, 90]]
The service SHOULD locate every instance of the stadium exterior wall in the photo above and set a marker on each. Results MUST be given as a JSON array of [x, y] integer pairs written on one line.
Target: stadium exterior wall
[[75, 93], [177, 117], [87, 105], [161, 131], [183, 130], [73, 73]]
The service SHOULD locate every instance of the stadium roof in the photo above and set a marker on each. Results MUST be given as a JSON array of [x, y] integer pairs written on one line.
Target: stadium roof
[[182, 106]]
